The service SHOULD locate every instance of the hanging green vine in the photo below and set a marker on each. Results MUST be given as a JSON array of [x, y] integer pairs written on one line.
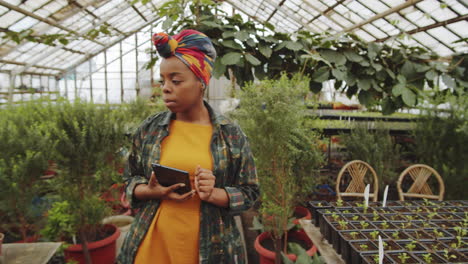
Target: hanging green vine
[[378, 74]]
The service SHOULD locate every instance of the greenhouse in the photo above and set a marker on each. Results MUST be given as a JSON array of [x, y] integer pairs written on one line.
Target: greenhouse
[[251, 131]]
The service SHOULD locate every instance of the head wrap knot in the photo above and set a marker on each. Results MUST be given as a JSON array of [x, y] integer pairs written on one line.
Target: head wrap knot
[[192, 47]]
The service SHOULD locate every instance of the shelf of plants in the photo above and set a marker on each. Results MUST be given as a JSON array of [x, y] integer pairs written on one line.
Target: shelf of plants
[[411, 231]]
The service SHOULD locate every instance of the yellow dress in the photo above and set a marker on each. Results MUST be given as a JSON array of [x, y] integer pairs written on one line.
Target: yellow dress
[[173, 236]]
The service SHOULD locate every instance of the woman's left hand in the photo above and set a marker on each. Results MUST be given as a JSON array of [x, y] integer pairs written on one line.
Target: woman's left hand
[[204, 183]]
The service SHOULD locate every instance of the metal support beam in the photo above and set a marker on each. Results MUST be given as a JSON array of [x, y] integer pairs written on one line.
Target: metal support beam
[[105, 77], [45, 20], [139, 13], [438, 24], [23, 64], [383, 14], [121, 74], [90, 80]]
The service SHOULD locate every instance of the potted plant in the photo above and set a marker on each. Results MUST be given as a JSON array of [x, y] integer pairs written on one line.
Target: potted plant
[[273, 116], [25, 145], [86, 136]]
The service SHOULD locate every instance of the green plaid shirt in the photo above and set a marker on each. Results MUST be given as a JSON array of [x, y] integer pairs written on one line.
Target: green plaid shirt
[[234, 168]]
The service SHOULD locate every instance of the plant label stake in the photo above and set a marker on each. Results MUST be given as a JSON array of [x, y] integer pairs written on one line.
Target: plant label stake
[[366, 195], [380, 250], [385, 196]]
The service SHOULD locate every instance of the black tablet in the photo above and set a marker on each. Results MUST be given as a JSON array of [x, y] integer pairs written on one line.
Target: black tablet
[[168, 176]]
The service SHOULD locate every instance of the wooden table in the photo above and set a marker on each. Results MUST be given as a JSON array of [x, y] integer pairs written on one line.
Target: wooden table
[[326, 250], [28, 253]]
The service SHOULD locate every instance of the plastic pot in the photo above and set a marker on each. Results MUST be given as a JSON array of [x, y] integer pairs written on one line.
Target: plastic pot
[[268, 257], [123, 222], [101, 251]]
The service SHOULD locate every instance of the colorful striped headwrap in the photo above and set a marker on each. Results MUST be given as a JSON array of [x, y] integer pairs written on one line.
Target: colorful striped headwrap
[[192, 47]]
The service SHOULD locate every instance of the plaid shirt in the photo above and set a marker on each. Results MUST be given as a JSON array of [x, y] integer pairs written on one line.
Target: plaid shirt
[[234, 168]]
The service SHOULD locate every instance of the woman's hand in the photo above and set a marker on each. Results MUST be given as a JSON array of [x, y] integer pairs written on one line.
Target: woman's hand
[[154, 190], [204, 183]]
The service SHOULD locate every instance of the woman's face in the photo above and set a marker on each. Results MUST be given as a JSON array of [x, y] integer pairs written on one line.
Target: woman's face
[[181, 87]]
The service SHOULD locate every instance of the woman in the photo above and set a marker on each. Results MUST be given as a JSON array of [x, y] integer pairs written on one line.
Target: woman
[[198, 226]]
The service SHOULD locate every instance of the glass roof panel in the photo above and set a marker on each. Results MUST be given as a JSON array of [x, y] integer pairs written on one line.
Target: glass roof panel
[[448, 38], [3, 10], [458, 6], [33, 5], [419, 18], [433, 7], [10, 18], [24, 23], [374, 5], [363, 35], [374, 31]]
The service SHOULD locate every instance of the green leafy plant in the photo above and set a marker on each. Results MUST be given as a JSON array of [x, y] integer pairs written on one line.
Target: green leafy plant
[[354, 234], [374, 234], [403, 257], [427, 258], [287, 157], [384, 225], [25, 145], [411, 245], [375, 147], [396, 235], [339, 202], [363, 224], [343, 224], [447, 255], [363, 246], [88, 138], [302, 256]]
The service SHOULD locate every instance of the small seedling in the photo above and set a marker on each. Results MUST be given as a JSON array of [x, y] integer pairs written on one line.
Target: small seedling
[[448, 256], [319, 205], [343, 224], [396, 235], [376, 258], [403, 257], [410, 246], [427, 258], [374, 234], [363, 246], [364, 224], [437, 233], [346, 212], [356, 217], [376, 216], [339, 202], [335, 216], [384, 225], [353, 234], [431, 215]]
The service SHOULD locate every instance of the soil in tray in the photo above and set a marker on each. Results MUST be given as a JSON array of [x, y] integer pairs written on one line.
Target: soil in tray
[[446, 224], [409, 260], [416, 246], [390, 245], [419, 234], [435, 259], [397, 235], [368, 235], [355, 236], [362, 246], [354, 217], [385, 225], [433, 245], [453, 256], [402, 209], [395, 217], [446, 216], [405, 225], [373, 259], [359, 225]]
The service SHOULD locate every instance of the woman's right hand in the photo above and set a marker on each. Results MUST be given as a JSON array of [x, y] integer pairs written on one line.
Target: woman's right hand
[[154, 190]]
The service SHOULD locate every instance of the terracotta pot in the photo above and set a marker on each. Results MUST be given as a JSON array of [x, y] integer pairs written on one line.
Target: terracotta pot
[[300, 210], [268, 256], [2, 236], [102, 251]]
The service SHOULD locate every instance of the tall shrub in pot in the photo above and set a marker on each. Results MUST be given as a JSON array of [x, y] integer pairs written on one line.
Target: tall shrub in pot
[[25, 146], [87, 137], [272, 114]]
